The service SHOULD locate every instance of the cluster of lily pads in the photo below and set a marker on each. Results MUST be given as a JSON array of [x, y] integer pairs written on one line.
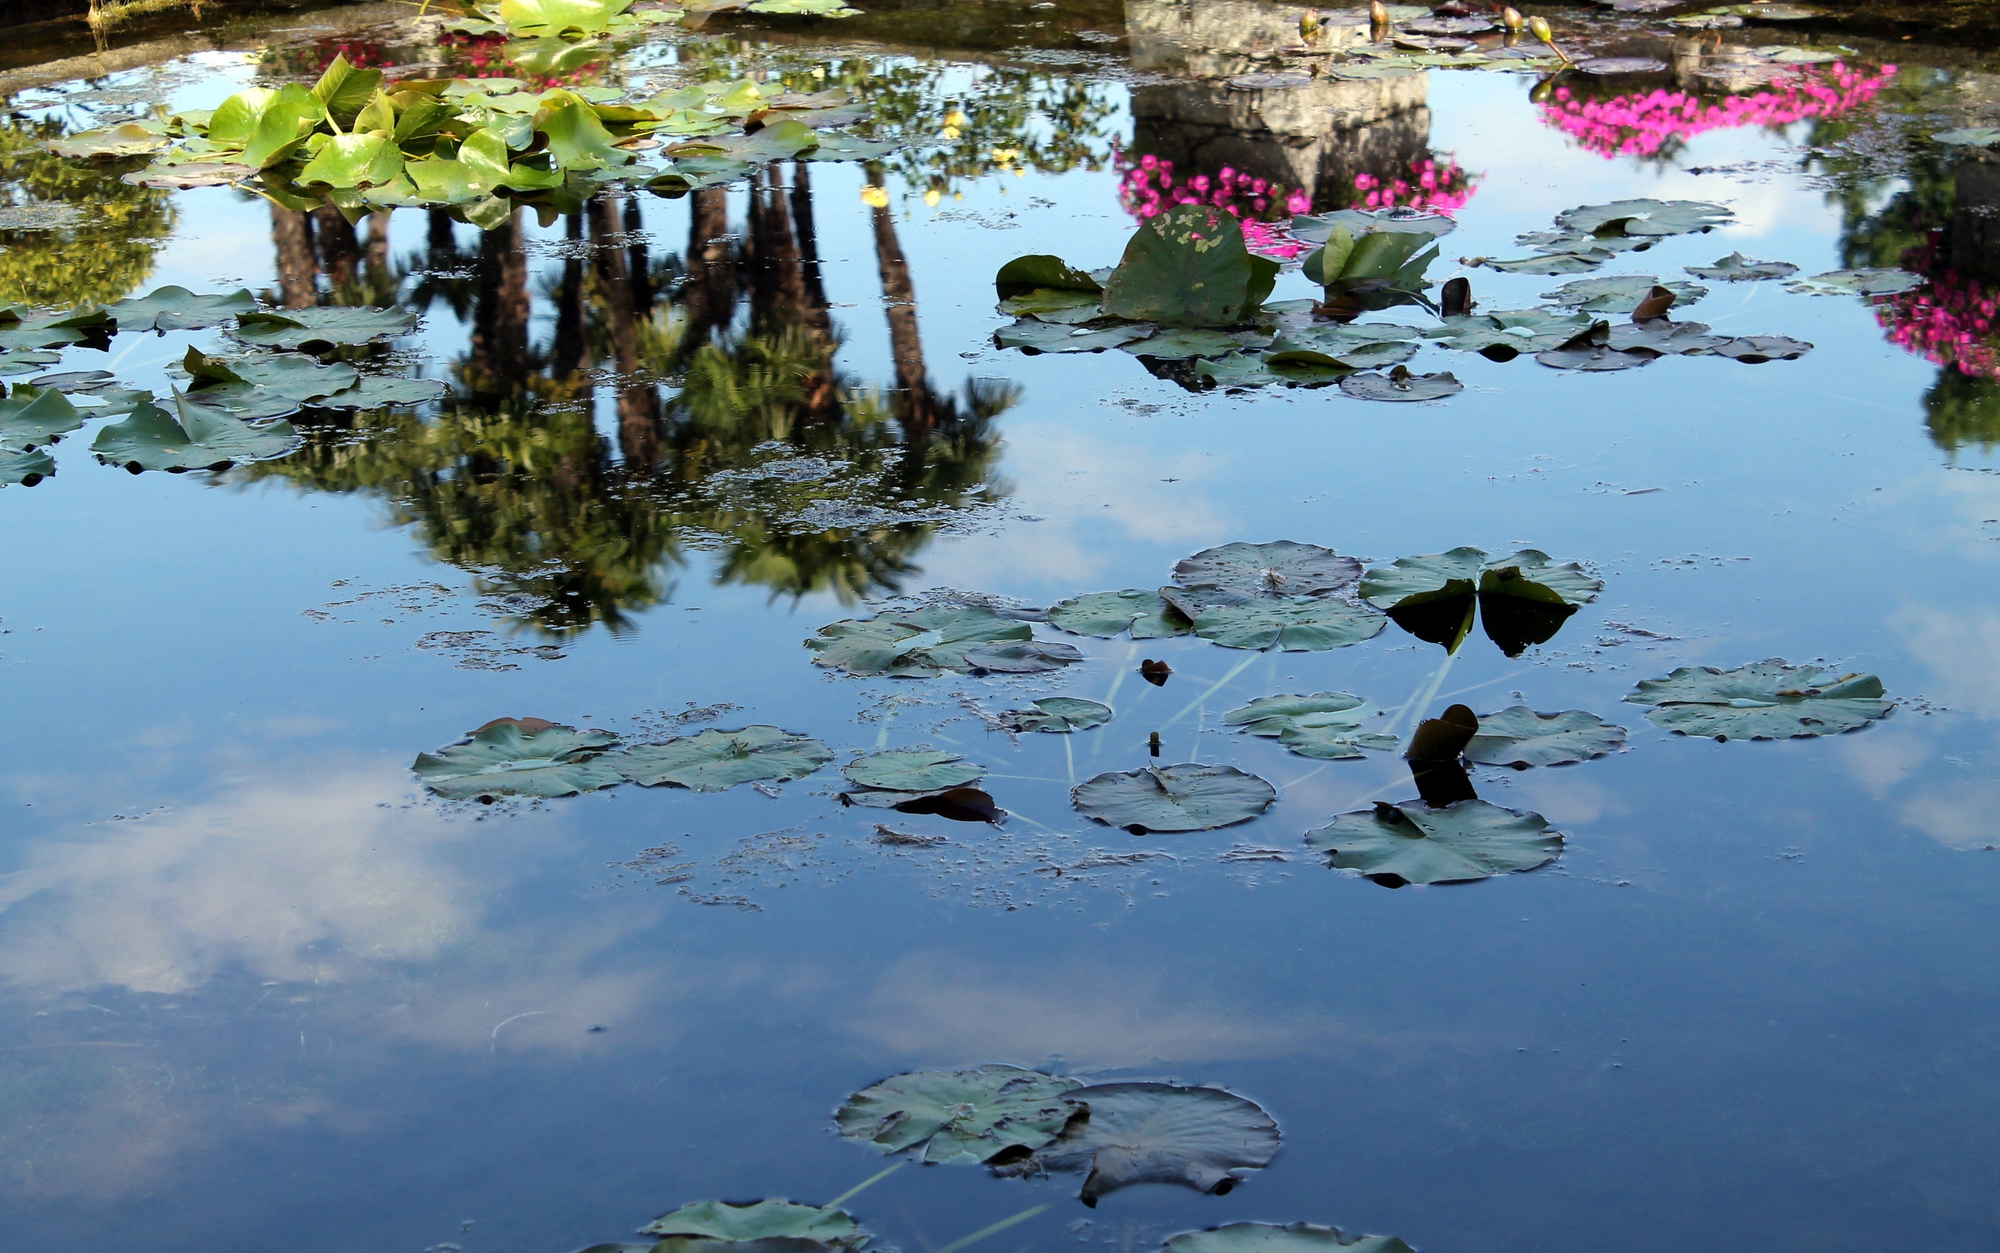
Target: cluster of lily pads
[[1283, 595], [233, 404]]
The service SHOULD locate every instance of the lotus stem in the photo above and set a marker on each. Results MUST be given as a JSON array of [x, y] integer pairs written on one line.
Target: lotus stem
[[1538, 26]]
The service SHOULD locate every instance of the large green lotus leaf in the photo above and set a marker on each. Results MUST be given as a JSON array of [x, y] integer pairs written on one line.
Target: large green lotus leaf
[[1058, 714], [345, 325], [288, 118], [1173, 798], [521, 757], [1053, 305], [1055, 337], [1185, 267], [579, 141], [345, 90], [178, 309], [1303, 624], [552, 17], [194, 437], [1400, 385], [1040, 271], [1106, 614], [1737, 268], [358, 160], [912, 771], [1531, 574], [1620, 293], [24, 467], [1766, 700], [1646, 217], [920, 643], [1413, 843], [1520, 737], [1201, 1138], [1278, 569], [1270, 1238], [32, 416], [127, 139], [1326, 725], [759, 1220], [289, 375], [235, 119], [715, 761], [960, 1116], [1411, 581], [1863, 282]]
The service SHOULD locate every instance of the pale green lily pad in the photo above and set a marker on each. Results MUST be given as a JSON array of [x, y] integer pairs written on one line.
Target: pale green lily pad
[[1737, 268], [1413, 843], [1646, 217], [715, 761], [1863, 282], [24, 467], [1201, 1138], [1181, 343], [1270, 1238], [1063, 306], [521, 757], [1769, 12], [173, 308], [1401, 385], [295, 377], [1107, 614], [960, 1117], [1706, 21], [1173, 798], [1970, 136], [127, 139], [1058, 714], [553, 17], [23, 328], [1302, 624], [1317, 229], [912, 771], [1514, 330], [1410, 581], [33, 416], [1277, 569], [374, 391], [1766, 700], [1753, 349], [1058, 337], [347, 326], [25, 361], [1552, 264], [1621, 293], [760, 1220], [193, 437], [1326, 725], [920, 643], [1521, 738], [1021, 657]]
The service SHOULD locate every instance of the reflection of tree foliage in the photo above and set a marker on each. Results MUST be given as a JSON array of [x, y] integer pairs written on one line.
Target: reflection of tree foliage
[[1960, 410], [107, 253]]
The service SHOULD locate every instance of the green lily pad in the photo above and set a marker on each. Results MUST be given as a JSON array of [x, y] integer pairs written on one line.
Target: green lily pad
[[521, 757], [773, 1219], [1173, 798], [1317, 229], [1621, 293], [1021, 657], [1188, 267], [1766, 700], [1583, 354], [1413, 843], [1531, 574], [1863, 282], [22, 328], [1182, 343], [960, 1117], [25, 361], [1552, 264], [178, 309], [1706, 21], [354, 161], [1107, 614], [193, 437], [1244, 369], [1520, 737], [1270, 1238], [1277, 569], [715, 761], [1521, 600], [553, 17], [1664, 337], [578, 141], [1041, 272], [920, 643], [286, 374], [1754, 349], [342, 325], [1509, 333], [1970, 136], [1326, 725], [24, 467], [1058, 714], [912, 771], [33, 416], [1201, 1138], [1401, 385], [1411, 581], [1346, 347], [1769, 12], [127, 139], [285, 120], [374, 391], [1042, 336], [1301, 624], [1646, 216], [1053, 305]]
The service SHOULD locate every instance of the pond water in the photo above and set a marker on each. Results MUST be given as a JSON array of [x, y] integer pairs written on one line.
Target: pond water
[[265, 989]]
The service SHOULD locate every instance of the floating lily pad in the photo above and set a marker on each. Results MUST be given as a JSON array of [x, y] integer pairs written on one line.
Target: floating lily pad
[[1737, 268], [178, 309], [1106, 614], [1766, 700], [1520, 737], [1706, 21], [1181, 343], [1299, 624], [960, 1117], [1863, 282], [33, 416], [521, 757], [24, 467], [1358, 222], [1281, 568], [193, 437], [1413, 843], [1201, 1138], [1400, 384], [347, 326], [1173, 798], [1058, 337], [912, 771], [1754, 349], [19, 361], [1051, 305], [1021, 657], [1620, 293], [295, 377], [1059, 714], [715, 761], [1970, 136], [127, 139], [1582, 354], [1188, 266], [1509, 333], [22, 328], [1615, 66], [1043, 273], [773, 1219], [1521, 600], [1769, 12], [920, 643], [1326, 725], [1270, 1238]]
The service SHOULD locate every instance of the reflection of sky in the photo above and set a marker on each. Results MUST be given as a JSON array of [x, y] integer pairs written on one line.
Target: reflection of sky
[[1721, 1010]]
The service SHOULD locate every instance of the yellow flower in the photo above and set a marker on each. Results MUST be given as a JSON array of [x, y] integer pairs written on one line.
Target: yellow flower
[[932, 196], [875, 197], [955, 119], [951, 132]]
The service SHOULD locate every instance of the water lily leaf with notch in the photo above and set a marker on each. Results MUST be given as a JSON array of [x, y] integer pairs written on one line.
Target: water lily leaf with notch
[[343, 325], [1766, 700], [521, 757], [772, 1219], [1621, 293], [1513, 331], [1554, 263], [1325, 725], [1188, 266], [1317, 229], [1531, 574], [345, 90], [920, 643], [1270, 1238], [1281, 568], [286, 119], [1863, 282], [1181, 343], [33, 416], [25, 361], [174, 308], [127, 139], [1520, 737], [1737, 268], [24, 467], [1413, 843], [715, 760], [1412, 581], [290, 375], [1021, 657], [1049, 304], [1201, 1138], [1107, 614], [1248, 369], [912, 770], [1970, 136], [1173, 798], [1301, 624], [193, 437], [22, 328], [1756, 349], [960, 1117], [1041, 272], [1355, 346], [1043, 336], [1059, 714], [356, 160], [578, 141], [1401, 385], [1646, 216]]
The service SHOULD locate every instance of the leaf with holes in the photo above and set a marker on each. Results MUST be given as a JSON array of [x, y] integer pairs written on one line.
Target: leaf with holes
[[521, 757], [1413, 843], [715, 761], [1201, 1138], [960, 1117], [1173, 798], [1766, 700], [1103, 615], [1059, 714], [919, 643], [1520, 737], [1326, 725]]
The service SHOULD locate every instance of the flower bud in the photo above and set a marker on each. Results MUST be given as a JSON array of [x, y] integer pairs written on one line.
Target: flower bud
[[1512, 19]]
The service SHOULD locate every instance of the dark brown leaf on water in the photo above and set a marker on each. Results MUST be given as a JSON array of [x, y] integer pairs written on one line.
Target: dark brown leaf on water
[[1155, 672], [1655, 305], [1444, 738], [960, 804], [1455, 301]]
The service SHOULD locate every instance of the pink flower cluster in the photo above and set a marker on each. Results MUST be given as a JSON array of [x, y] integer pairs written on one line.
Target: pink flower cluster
[[1436, 186], [1645, 124], [1952, 320], [1148, 188]]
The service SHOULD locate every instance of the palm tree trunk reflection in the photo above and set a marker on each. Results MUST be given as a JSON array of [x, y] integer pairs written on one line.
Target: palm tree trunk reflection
[[899, 297]]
